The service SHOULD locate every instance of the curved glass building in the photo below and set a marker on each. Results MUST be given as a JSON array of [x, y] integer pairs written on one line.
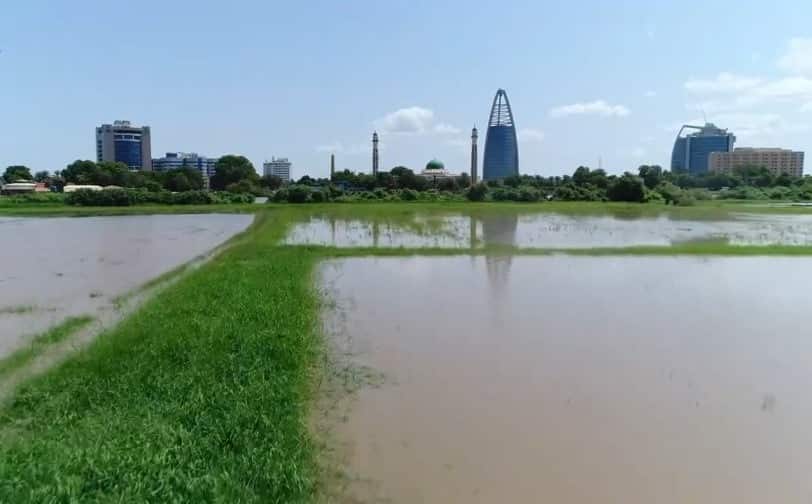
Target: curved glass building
[[501, 146], [692, 152]]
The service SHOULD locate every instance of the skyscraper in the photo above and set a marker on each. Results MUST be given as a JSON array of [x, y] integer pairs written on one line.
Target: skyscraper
[[501, 145], [474, 155], [375, 159], [124, 143], [692, 152]]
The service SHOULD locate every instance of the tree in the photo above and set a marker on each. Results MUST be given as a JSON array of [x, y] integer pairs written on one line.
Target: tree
[[627, 188], [464, 180], [232, 169], [42, 176], [16, 172], [272, 182], [477, 192], [651, 175]]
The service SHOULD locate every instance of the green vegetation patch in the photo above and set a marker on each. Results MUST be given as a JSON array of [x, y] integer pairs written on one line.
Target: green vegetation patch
[[201, 396], [56, 334]]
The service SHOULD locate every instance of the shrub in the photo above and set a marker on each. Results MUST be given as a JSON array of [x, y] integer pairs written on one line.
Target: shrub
[[318, 196], [298, 194], [627, 188], [409, 195], [528, 193], [477, 192]]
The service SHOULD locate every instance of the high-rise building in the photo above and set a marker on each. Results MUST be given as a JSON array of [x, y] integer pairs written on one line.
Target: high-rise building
[[501, 145], [124, 143], [375, 158], [474, 155], [278, 167], [175, 160], [778, 161], [692, 152]]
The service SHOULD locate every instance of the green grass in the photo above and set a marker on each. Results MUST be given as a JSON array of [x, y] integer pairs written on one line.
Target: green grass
[[204, 394], [38, 344]]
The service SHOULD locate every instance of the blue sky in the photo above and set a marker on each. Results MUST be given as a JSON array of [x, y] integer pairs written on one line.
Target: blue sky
[[302, 79]]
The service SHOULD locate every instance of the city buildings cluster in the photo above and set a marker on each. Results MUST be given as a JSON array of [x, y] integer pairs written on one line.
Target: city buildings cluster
[[710, 149], [697, 150]]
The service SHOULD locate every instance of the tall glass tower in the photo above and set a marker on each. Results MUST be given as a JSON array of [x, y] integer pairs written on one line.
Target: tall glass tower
[[692, 152], [501, 146]]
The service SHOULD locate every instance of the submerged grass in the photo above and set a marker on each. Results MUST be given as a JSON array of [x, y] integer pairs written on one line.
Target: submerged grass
[[16, 310], [204, 393], [39, 343]]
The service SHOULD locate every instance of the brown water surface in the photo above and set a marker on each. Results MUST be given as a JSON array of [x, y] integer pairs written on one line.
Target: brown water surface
[[628, 380], [54, 268]]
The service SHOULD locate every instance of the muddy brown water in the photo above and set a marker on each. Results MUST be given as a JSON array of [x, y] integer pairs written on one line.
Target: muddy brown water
[[548, 230], [54, 268], [575, 379]]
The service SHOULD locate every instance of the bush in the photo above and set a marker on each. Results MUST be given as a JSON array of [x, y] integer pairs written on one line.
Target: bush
[[409, 195], [627, 188], [127, 197], [33, 198], [298, 194], [318, 196], [529, 193], [477, 192]]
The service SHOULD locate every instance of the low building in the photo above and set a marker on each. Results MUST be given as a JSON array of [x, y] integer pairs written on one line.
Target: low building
[[277, 167], [19, 188], [777, 161], [73, 188], [435, 171]]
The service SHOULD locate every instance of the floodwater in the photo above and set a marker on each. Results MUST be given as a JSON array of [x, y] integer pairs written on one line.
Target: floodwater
[[575, 379], [548, 230], [54, 268]]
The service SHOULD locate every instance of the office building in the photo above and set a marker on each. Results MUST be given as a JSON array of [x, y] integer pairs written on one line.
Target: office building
[[501, 145], [124, 143], [692, 152], [778, 161], [278, 167], [176, 160]]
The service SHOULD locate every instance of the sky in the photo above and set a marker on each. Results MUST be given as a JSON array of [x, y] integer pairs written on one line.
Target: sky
[[587, 80]]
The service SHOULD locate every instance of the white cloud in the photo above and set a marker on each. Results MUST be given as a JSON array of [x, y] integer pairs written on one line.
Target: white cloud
[[638, 153], [650, 94], [331, 147], [446, 129], [723, 83], [530, 135], [597, 107], [410, 120], [414, 121], [797, 58]]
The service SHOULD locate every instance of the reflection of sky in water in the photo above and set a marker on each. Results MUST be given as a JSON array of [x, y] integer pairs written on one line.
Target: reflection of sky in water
[[550, 231]]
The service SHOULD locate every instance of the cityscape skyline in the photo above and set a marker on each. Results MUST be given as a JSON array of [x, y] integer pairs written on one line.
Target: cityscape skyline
[[576, 108]]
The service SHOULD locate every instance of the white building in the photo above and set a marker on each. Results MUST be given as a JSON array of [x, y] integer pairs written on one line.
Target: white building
[[278, 167]]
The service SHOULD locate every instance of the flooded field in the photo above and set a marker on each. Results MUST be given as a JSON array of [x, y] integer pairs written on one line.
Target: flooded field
[[53, 268], [547, 230], [575, 379]]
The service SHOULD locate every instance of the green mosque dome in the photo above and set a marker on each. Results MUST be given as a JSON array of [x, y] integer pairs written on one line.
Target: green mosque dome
[[435, 164]]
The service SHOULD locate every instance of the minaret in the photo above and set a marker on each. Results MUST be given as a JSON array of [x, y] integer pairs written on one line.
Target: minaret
[[332, 166], [375, 153], [474, 160]]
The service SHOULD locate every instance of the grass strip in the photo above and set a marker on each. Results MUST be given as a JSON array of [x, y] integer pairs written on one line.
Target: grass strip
[[16, 310], [201, 396], [53, 335]]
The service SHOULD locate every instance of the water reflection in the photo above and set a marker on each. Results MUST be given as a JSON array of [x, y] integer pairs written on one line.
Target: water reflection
[[689, 373], [545, 230]]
